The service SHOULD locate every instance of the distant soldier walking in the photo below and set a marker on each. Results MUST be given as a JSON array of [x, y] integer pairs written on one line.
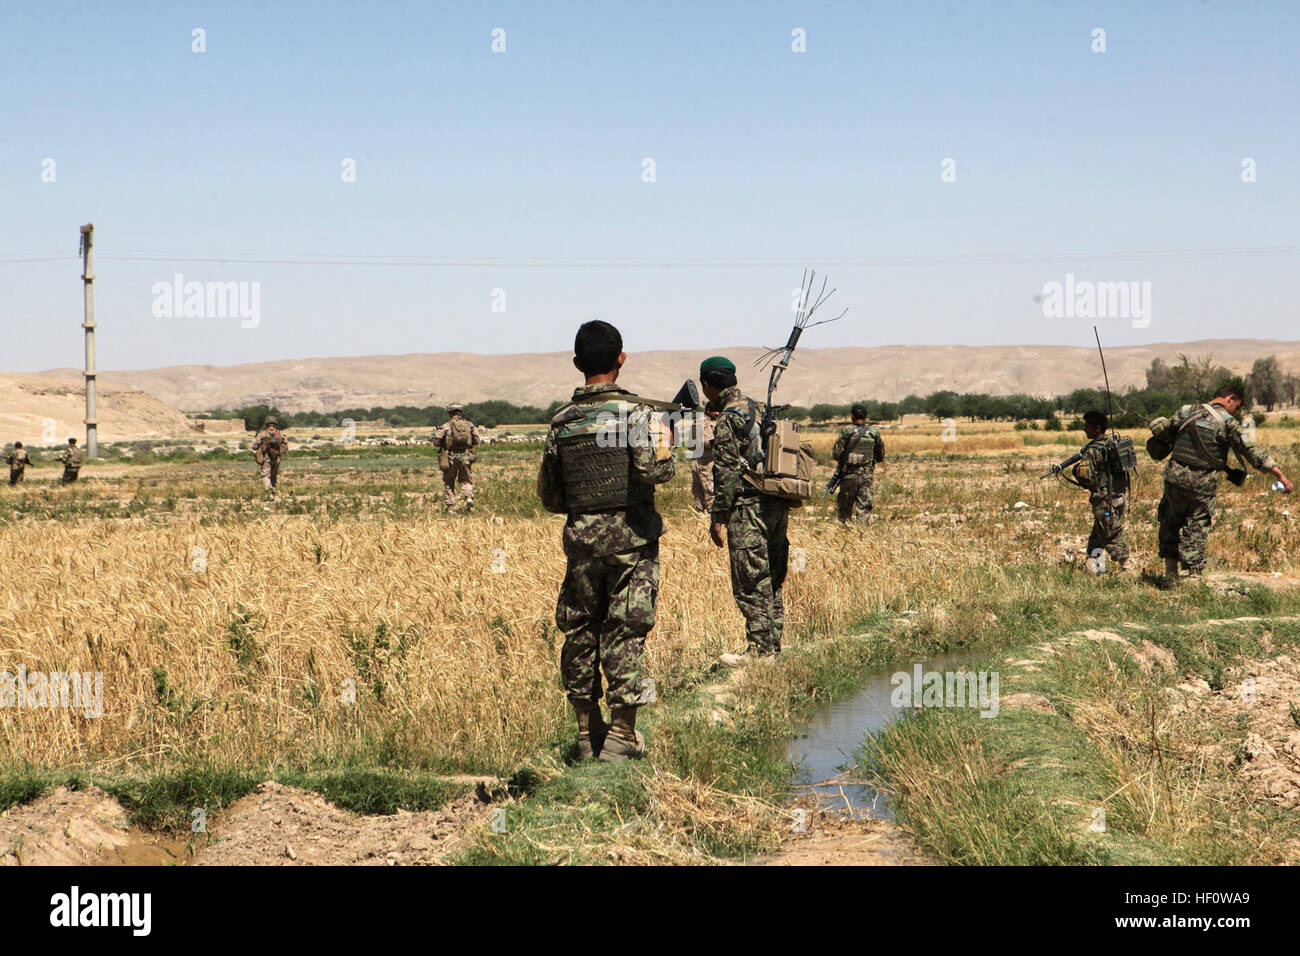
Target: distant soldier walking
[[457, 437], [857, 451], [71, 459], [702, 465], [269, 447], [1198, 439], [754, 524], [1107, 484], [16, 458], [605, 452]]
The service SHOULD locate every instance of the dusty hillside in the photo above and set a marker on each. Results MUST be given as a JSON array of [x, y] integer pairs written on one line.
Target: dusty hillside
[[46, 410], [818, 375]]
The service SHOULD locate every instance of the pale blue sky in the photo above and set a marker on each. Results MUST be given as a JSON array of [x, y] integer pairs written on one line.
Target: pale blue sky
[[766, 160]]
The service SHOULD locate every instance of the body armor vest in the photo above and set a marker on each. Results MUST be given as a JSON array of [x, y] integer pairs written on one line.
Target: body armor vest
[[596, 462], [1202, 441]]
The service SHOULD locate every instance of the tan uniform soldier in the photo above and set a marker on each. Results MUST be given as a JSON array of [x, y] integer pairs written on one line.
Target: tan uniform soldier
[[71, 459], [702, 467], [268, 448], [457, 437], [18, 461]]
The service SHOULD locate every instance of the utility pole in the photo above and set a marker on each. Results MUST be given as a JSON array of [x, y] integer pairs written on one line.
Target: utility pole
[[88, 279]]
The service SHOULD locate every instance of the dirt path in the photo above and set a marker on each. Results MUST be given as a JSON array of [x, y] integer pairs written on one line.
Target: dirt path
[[274, 826]]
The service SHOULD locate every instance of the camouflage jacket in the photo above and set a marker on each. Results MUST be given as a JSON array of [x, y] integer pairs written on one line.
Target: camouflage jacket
[[70, 457], [871, 447], [730, 442], [617, 530], [442, 437], [269, 441], [1093, 472], [1203, 480], [17, 459]]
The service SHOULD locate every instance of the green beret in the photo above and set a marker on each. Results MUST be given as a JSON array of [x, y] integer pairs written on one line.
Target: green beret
[[717, 363]]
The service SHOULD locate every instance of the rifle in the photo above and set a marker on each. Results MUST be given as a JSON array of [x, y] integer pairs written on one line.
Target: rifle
[[1057, 469], [838, 475]]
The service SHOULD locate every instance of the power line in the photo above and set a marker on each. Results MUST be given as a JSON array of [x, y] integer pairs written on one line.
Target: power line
[[664, 262]]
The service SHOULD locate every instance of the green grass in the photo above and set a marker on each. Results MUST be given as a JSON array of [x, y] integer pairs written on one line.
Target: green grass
[[1023, 787]]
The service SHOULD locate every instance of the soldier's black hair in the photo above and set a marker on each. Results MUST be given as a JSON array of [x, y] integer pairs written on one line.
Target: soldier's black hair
[[1231, 390], [1095, 417], [858, 411], [18, 444], [597, 347], [718, 378]]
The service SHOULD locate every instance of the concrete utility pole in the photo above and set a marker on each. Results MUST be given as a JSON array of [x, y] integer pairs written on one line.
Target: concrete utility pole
[[88, 278]]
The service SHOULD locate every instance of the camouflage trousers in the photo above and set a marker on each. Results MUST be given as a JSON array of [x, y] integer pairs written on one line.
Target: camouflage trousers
[[606, 608], [270, 470], [70, 475], [1185, 519], [1108, 528], [15, 476], [457, 470], [702, 486], [856, 493], [759, 552]]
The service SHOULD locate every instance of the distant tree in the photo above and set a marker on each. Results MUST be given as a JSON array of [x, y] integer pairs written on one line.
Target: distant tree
[[1265, 381], [1290, 388], [942, 404]]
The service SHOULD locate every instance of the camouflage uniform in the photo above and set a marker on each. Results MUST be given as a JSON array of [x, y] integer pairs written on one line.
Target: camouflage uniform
[[458, 463], [607, 602], [702, 467], [71, 459], [857, 477], [756, 526], [269, 445], [18, 462], [1192, 477], [1106, 497]]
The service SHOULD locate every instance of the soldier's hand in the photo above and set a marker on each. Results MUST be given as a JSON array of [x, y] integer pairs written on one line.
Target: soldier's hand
[[1287, 487], [715, 533]]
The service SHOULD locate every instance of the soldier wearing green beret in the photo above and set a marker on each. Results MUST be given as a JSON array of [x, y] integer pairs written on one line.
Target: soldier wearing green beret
[[754, 523]]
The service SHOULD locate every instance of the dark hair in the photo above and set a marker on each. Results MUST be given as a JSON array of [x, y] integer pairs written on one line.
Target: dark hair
[[718, 378], [18, 444], [858, 411], [597, 347], [1095, 418], [1231, 390]]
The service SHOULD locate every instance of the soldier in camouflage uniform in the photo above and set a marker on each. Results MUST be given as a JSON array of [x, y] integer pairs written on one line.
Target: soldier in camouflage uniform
[[1106, 495], [1201, 437], [71, 459], [604, 453], [18, 461], [268, 447], [862, 449], [702, 465], [457, 437], [754, 523]]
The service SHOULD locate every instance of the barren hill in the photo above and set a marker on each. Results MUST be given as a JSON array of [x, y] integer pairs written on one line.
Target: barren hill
[[817, 375], [46, 409]]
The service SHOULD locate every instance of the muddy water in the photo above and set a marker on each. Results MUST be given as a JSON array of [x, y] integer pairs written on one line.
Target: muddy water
[[821, 750]]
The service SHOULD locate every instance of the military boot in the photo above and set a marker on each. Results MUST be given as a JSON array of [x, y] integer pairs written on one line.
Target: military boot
[[591, 729], [1171, 570], [623, 740]]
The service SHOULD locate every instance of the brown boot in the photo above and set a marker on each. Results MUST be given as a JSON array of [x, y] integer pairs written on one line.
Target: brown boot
[[623, 740], [591, 729], [1171, 570]]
